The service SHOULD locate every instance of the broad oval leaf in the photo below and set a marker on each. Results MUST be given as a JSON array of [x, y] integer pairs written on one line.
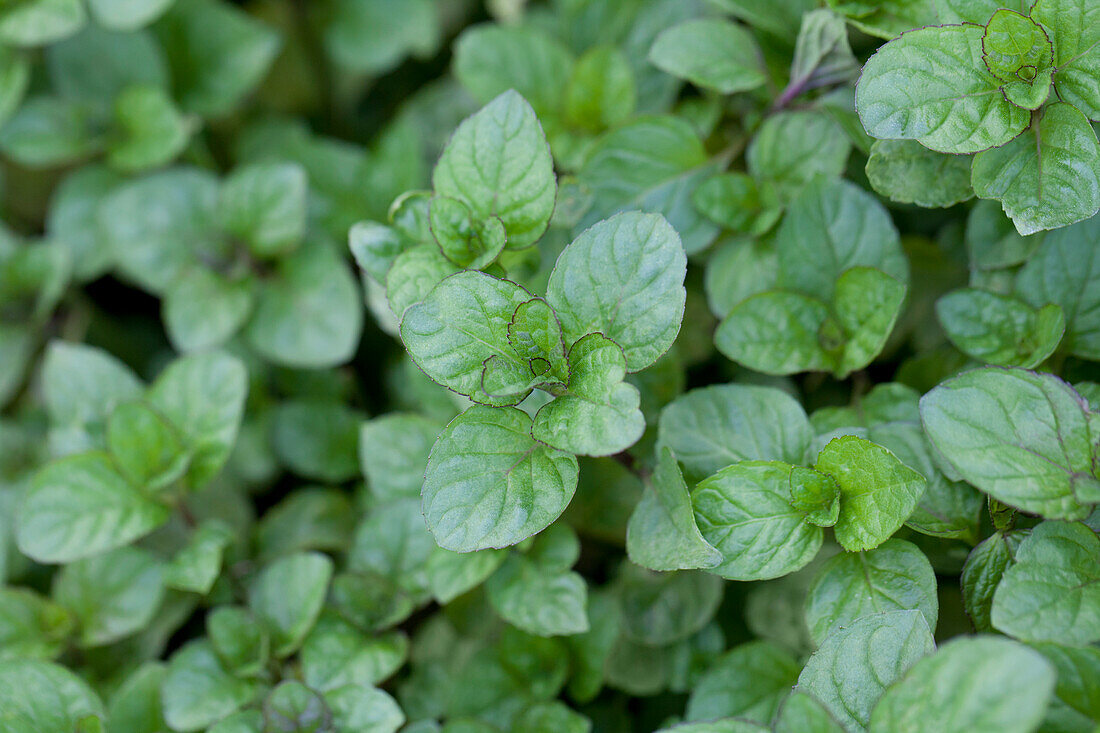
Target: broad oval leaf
[[489, 484], [711, 53], [40, 696], [747, 682]]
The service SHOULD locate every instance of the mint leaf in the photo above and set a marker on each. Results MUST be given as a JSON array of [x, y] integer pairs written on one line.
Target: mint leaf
[[909, 173], [790, 149], [489, 484], [287, 597], [44, 696], [197, 691], [1000, 330], [1048, 177], [203, 309], [540, 600], [1072, 25], [80, 506], [949, 689], [877, 491], [1052, 592], [598, 415], [393, 450], [512, 179], [126, 15], [931, 85], [802, 712], [982, 573], [467, 243], [462, 325], [849, 586], [662, 533], [623, 278], [745, 513], [888, 643], [665, 608], [711, 53], [747, 682], [264, 204], [707, 429], [977, 422]]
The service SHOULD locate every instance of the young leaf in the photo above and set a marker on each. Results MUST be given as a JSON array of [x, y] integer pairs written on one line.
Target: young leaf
[[598, 415], [623, 278], [1052, 592], [1074, 28], [149, 130], [877, 491], [241, 644], [287, 598], [489, 484], [886, 645], [535, 334], [849, 586], [462, 324], [81, 506], [662, 533], [146, 449], [196, 567], [1048, 177], [965, 685], [982, 573], [931, 85], [498, 163], [707, 429], [465, 241], [711, 53], [745, 513], [1035, 455]]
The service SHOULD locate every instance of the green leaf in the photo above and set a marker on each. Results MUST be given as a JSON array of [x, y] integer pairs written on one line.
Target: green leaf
[[748, 333], [659, 609], [264, 204], [309, 314], [1015, 47], [491, 59], [81, 385], [462, 325], [822, 55], [745, 513], [336, 654], [1073, 28], [218, 54], [857, 663], [362, 709], [1052, 592], [198, 691], [450, 574], [965, 686], [148, 129], [887, 18], [365, 37], [711, 53], [146, 449], [1078, 675], [203, 309], [72, 217], [866, 303], [291, 706], [999, 329], [39, 22], [982, 573], [790, 149], [112, 595], [465, 241], [535, 334], [931, 85], [375, 246], [287, 597], [815, 495], [31, 626], [196, 567], [552, 717], [877, 491], [734, 201], [136, 706], [1021, 437], [748, 682], [1048, 177], [81, 506], [624, 279], [40, 696], [1062, 272], [909, 173], [393, 450], [598, 415], [241, 644], [49, 131], [317, 439], [651, 164], [537, 599], [126, 15], [413, 275], [849, 586], [202, 396], [394, 543], [601, 92], [511, 178], [709, 428], [802, 713], [968, 11], [662, 533], [489, 484]]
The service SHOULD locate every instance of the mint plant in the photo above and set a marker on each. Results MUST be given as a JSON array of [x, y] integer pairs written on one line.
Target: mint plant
[[688, 366]]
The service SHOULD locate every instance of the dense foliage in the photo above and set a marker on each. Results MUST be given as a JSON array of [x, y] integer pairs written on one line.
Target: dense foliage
[[711, 366]]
